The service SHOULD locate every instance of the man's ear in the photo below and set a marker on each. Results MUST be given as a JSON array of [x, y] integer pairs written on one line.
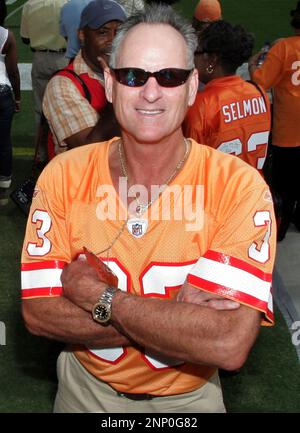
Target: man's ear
[[108, 83], [193, 87]]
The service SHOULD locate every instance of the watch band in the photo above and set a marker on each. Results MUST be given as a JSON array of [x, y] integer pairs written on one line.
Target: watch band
[[108, 295]]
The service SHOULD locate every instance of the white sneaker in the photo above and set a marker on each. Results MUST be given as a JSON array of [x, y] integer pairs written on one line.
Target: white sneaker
[[5, 181]]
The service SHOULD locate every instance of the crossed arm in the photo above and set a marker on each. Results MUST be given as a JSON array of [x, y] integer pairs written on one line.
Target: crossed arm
[[194, 328]]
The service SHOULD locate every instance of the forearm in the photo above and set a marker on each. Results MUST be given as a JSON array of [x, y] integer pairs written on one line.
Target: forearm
[[11, 65], [182, 330], [59, 319], [102, 131], [15, 82], [251, 68], [107, 126], [185, 331]]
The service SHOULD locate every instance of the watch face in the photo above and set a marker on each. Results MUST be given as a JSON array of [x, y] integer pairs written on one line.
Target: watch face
[[101, 313]]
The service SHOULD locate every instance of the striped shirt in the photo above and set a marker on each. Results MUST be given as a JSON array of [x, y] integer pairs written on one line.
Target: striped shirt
[[67, 111]]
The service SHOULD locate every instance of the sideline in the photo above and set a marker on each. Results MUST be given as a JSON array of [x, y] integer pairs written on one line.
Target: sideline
[[13, 12], [25, 75], [23, 151]]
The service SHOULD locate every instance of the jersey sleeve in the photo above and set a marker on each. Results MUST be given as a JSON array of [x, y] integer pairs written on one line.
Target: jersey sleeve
[[46, 249], [239, 262], [270, 72]]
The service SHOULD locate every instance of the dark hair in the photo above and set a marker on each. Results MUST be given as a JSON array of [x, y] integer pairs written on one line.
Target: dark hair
[[296, 21], [295, 13], [3, 12], [232, 44]]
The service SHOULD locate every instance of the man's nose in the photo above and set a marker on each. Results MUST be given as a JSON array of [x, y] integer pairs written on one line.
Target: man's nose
[[151, 90]]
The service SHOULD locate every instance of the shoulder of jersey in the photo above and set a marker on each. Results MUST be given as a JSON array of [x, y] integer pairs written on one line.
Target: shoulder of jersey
[[229, 165]]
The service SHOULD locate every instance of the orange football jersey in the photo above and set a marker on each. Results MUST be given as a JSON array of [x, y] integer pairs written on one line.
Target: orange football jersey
[[213, 225], [281, 72], [232, 116]]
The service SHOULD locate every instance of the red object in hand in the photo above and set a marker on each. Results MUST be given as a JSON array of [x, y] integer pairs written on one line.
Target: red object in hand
[[103, 271]]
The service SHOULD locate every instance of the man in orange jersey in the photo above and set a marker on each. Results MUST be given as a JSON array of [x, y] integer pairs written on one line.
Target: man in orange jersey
[[281, 73], [230, 114], [187, 233]]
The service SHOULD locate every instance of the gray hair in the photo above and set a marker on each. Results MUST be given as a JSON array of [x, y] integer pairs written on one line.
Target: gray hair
[[157, 14]]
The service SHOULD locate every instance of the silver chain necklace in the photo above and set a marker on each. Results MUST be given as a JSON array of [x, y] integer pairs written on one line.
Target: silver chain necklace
[[138, 227], [141, 208]]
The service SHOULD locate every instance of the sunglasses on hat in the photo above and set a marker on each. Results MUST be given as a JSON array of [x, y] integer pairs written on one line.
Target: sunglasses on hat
[[136, 77]]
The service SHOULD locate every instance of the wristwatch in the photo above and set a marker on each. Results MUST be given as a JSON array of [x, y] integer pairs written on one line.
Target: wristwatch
[[101, 311]]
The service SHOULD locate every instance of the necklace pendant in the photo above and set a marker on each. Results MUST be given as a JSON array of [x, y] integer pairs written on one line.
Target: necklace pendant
[[137, 227], [140, 209]]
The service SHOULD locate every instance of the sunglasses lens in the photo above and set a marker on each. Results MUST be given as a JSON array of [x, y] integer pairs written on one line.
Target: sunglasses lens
[[132, 77], [172, 77], [135, 77]]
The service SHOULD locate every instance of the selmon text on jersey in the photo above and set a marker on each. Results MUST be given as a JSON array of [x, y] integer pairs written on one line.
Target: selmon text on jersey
[[240, 109]]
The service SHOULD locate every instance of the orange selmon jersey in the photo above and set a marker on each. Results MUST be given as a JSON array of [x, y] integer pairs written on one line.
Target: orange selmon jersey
[[233, 116], [212, 226], [281, 72]]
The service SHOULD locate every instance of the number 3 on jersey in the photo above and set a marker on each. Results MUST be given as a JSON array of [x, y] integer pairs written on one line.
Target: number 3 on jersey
[[157, 280], [43, 223], [262, 254], [236, 146]]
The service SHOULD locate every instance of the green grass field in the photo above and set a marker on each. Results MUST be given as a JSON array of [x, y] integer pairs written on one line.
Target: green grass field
[[270, 380]]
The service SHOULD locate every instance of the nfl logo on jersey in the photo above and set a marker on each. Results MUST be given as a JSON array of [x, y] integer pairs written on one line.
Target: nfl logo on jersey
[[137, 227], [137, 230]]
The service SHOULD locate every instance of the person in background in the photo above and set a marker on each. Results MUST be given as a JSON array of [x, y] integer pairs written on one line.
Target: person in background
[[69, 23], [194, 280], [10, 99], [205, 12], [230, 114], [40, 29], [280, 72], [73, 119]]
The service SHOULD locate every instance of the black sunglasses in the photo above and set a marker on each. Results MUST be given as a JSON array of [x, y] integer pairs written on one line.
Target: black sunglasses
[[136, 77]]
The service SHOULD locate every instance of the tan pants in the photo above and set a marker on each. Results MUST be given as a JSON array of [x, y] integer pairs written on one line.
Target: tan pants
[[79, 391], [43, 67]]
